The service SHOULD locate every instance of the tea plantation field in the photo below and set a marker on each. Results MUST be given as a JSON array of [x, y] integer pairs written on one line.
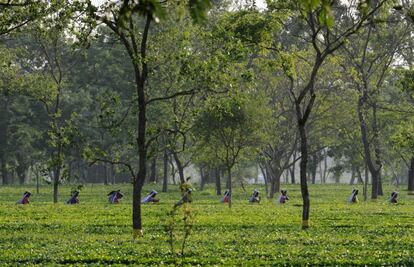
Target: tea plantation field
[[97, 233]]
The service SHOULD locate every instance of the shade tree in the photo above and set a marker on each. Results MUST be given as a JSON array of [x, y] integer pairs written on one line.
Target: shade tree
[[230, 127], [370, 56], [131, 21]]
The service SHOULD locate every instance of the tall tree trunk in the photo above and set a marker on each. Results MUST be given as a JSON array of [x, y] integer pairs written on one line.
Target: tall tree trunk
[[172, 170], [22, 176], [230, 185], [337, 178], [203, 178], [4, 170], [411, 177], [4, 134], [275, 182], [37, 182], [313, 172], [325, 166], [314, 167], [140, 80], [303, 180], [275, 185], [272, 186], [228, 182], [142, 163], [351, 182], [359, 175], [136, 207], [113, 173], [256, 178], [263, 170], [286, 176], [292, 169], [165, 173], [56, 184], [367, 153], [321, 170], [292, 174], [218, 182], [377, 149], [380, 190], [179, 167], [153, 175], [366, 183], [106, 174]]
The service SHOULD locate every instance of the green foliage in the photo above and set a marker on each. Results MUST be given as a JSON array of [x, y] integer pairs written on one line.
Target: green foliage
[[407, 82], [403, 136], [97, 233], [251, 26], [198, 9], [230, 127], [323, 9], [154, 9]]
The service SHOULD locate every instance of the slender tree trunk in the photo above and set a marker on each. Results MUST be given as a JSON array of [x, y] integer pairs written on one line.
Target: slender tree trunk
[[272, 187], [337, 178], [374, 172], [230, 185], [203, 178], [228, 182], [142, 153], [314, 167], [22, 176], [106, 174], [292, 174], [313, 175], [113, 173], [380, 190], [136, 207], [366, 183], [172, 169], [4, 131], [351, 182], [411, 177], [377, 150], [325, 166], [37, 182], [286, 176], [153, 175], [262, 169], [218, 182], [292, 169], [321, 170], [140, 80], [303, 180], [56, 184], [165, 173], [359, 175], [4, 171], [96, 174]]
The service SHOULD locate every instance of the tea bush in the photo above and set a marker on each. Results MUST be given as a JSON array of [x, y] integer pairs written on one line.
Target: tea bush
[[97, 233]]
